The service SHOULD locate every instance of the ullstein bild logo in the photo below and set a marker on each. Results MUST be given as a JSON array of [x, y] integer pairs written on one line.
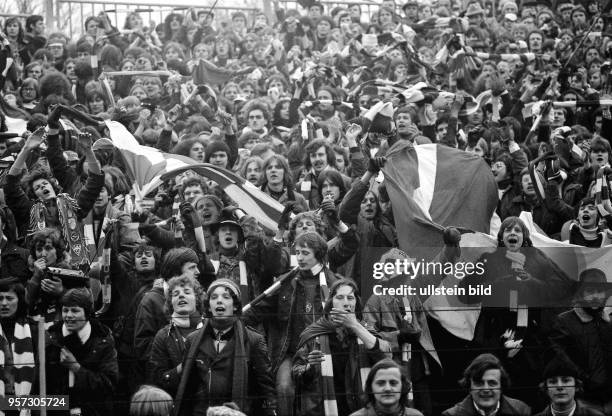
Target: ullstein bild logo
[[413, 269]]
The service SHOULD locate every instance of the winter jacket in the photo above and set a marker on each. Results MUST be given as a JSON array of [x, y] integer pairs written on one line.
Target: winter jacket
[[15, 263], [587, 341], [201, 361], [581, 410], [95, 381], [346, 372], [167, 352], [278, 311], [150, 318], [507, 407]]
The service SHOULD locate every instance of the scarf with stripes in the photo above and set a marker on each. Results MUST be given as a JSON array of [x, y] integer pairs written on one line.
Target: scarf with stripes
[[70, 226], [18, 359], [233, 267], [358, 364], [94, 251], [602, 192]]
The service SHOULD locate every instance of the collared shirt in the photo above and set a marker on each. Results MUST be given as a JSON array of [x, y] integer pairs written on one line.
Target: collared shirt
[[84, 333], [220, 342], [483, 413]]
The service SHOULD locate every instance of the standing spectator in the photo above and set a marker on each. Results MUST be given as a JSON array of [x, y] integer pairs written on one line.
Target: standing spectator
[[81, 356], [183, 304], [229, 353], [326, 379], [586, 338]]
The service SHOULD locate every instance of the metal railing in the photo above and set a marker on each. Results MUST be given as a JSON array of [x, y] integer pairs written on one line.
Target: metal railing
[[367, 7], [70, 15]]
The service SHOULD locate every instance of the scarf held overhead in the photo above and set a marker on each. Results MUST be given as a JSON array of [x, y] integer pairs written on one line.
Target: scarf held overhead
[[72, 232]]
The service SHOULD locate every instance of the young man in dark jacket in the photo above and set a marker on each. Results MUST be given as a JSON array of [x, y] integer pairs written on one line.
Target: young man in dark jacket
[[561, 384], [225, 361], [297, 304]]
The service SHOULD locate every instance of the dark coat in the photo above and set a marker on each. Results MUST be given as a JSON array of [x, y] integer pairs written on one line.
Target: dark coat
[[259, 382], [150, 318], [550, 215], [507, 407], [278, 311], [15, 263], [581, 410], [588, 343], [167, 352], [95, 381]]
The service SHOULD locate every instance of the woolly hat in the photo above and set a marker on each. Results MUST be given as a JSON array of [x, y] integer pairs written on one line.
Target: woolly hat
[[226, 283], [216, 146], [560, 366], [213, 198], [80, 297]]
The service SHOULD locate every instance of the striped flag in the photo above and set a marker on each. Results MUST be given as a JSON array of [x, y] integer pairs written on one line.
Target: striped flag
[[433, 186], [252, 200], [145, 165]]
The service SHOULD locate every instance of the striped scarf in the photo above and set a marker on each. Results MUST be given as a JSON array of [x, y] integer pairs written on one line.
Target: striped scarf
[[71, 229], [226, 268], [94, 251], [602, 192], [21, 353], [358, 364]]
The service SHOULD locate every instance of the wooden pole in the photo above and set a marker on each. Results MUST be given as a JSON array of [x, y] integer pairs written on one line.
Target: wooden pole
[[42, 370]]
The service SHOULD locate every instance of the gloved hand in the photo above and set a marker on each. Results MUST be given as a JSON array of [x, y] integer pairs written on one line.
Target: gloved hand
[[53, 118], [189, 214], [139, 217], [331, 211], [408, 334], [451, 237], [283, 222], [375, 164]]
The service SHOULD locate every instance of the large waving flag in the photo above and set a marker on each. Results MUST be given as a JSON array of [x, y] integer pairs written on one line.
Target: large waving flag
[[149, 168], [433, 186], [265, 209], [145, 165]]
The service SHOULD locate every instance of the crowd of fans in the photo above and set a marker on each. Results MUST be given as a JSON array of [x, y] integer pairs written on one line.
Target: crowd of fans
[[145, 297]]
